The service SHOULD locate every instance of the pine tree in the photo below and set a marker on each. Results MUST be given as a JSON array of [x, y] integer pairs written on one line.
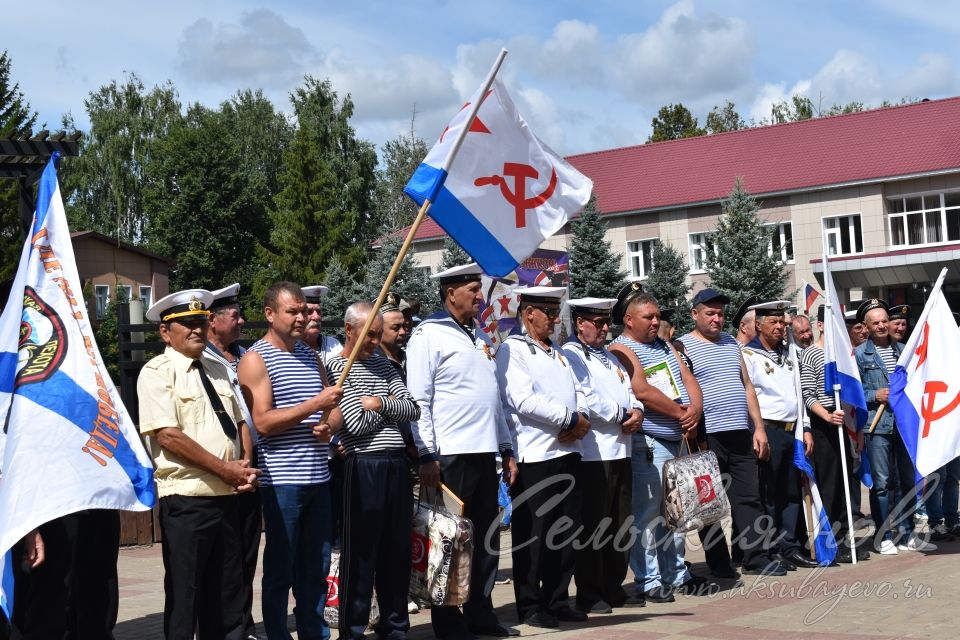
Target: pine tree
[[344, 290], [453, 255], [739, 261], [594, 267], [411, 281], [668, 283]]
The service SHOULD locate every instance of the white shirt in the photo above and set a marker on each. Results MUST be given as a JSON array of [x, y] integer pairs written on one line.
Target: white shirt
[[610, 398], [452, 375], [774, 382], [541, 396], [328, 348], [210, 353]]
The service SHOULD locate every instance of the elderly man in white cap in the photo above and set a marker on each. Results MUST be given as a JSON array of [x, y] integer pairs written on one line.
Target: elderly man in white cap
[[325, 346], [548, 415], [223, 347], [188, 409], [615, 415], [453, 377]]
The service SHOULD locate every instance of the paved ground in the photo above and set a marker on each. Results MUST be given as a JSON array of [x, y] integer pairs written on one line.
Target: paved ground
[[911, 595]]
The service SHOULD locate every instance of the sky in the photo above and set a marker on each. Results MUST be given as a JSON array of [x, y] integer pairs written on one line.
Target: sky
[[586, 75]]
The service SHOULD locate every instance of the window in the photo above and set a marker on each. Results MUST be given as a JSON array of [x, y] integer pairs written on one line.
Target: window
[[922, 220], [698, 251], [123, 292], [782, 241], [146, 295], [843, 235], [640, 258], [102, 292]]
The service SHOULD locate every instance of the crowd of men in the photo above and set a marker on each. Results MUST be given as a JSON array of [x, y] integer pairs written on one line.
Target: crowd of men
[[328, 457]]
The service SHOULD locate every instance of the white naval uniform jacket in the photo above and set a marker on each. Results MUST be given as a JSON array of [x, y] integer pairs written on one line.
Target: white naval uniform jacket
[[212, 353], [452, 376], [610, 399], [541, 396], [773, 381]]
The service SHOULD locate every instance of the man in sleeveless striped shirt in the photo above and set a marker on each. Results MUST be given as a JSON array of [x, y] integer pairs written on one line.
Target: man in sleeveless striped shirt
[[735, 429], [281, 378], [890, 463], [605, 468], [672, 400], [378, 501]]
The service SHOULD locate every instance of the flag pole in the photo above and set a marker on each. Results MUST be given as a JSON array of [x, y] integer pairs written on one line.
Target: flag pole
[[421, 214], [801, 412]]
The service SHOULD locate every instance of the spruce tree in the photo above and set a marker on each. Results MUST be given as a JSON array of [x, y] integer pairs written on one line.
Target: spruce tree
[[594, 267], [668, 283], [344, 290], [411, 281], [739, 261], [453, 255]]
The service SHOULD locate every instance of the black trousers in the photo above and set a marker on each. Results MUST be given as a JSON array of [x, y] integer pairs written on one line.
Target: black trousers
[[829, 472], [780, 487], [74, 593], [543, 555], [250, 515], [335, 464], [734, 451], [607, 498], [378, 511], [473, 477], [203, 580]]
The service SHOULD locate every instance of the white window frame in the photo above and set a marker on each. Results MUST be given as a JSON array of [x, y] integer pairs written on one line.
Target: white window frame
[[146, 298], [940, 211], [784, 257], [851, 228], [700, 246], [101, 297], [124, 287], [638, 253]]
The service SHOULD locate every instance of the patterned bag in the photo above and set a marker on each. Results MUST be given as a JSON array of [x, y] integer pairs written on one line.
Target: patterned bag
[[693, 495], [331, 609], [441, 546]]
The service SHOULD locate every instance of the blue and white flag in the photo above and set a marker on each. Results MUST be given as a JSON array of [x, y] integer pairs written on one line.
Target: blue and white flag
[[824, 542], [67, 442], [839, 364], [925, 387], [507, 191]]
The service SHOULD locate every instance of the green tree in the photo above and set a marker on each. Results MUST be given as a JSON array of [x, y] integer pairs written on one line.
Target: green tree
[[453, 255], [668, 283], [850, 107], [799, 107], [401, 157], [674, 122], [594, 266], [108, 180], [412, 281], [16, 118], [725, 118], [344, 290], [324, 206], [739, 261], [106, 332]]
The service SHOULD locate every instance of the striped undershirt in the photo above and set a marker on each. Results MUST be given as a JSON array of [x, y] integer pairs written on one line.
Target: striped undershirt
[[888, 356], [716, 366], [812, 379], [294, 456], [657, 424], [369, 431]]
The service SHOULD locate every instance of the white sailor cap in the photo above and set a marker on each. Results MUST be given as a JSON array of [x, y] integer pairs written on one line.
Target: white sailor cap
[[314, 293], [596, 306], [182, 304], [541, 294], [850, 317], [462, 273], [225, 297], [770, 308]]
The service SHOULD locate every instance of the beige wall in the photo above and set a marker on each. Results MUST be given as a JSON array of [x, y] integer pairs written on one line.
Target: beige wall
[[101, 263]]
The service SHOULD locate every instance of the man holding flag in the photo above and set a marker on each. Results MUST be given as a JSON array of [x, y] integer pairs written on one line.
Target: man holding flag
[[67, 444]]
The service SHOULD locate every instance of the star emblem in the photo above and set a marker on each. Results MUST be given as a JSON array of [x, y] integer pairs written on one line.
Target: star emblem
[[504, 304], [477, 125]]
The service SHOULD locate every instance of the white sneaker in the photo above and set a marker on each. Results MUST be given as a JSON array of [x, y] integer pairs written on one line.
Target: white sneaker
[[412, 607], [914, 543], [886, 548]]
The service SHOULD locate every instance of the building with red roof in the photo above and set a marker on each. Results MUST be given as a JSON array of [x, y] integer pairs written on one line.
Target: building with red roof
[[880, 188]]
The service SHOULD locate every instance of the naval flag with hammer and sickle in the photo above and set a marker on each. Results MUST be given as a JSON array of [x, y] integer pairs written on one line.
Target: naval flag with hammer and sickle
[[507, 191]]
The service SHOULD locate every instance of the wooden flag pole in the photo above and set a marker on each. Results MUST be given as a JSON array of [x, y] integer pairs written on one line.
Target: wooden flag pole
[[876, 417], [808, 511], [421, 214]]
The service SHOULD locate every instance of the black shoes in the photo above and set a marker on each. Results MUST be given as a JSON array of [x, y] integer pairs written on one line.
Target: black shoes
[[727, 572], [598, 607], [784, 562], [696, 586], [566, 614], [541, 619], [493, 630], [635, 601], [659, 594], [774, 568], [800, 560]]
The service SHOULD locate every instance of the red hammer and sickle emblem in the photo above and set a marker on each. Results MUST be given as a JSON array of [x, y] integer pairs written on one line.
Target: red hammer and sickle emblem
[[518, 197], [930, 415]]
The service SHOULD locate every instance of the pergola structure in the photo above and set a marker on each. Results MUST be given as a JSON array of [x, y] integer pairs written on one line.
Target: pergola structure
[[22, 157]]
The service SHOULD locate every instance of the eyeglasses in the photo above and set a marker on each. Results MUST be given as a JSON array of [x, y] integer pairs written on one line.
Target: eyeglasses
[[551, 312], [599, 323]]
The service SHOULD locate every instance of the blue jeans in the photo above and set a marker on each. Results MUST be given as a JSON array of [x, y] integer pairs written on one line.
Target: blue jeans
[[893, 497], [942, 501], [656, 557], [297, 555]]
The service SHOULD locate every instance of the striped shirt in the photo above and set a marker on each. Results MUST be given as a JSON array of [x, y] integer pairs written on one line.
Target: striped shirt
[[294, 456], [717, 368], [654, 423], [888, 356], [812, 379], [368, 431]]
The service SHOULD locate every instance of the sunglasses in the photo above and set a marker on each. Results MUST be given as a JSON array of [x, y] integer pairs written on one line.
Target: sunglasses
[[551, 312], [599, 323]]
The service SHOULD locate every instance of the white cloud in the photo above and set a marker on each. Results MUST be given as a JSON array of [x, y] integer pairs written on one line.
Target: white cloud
[[262, 50]]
